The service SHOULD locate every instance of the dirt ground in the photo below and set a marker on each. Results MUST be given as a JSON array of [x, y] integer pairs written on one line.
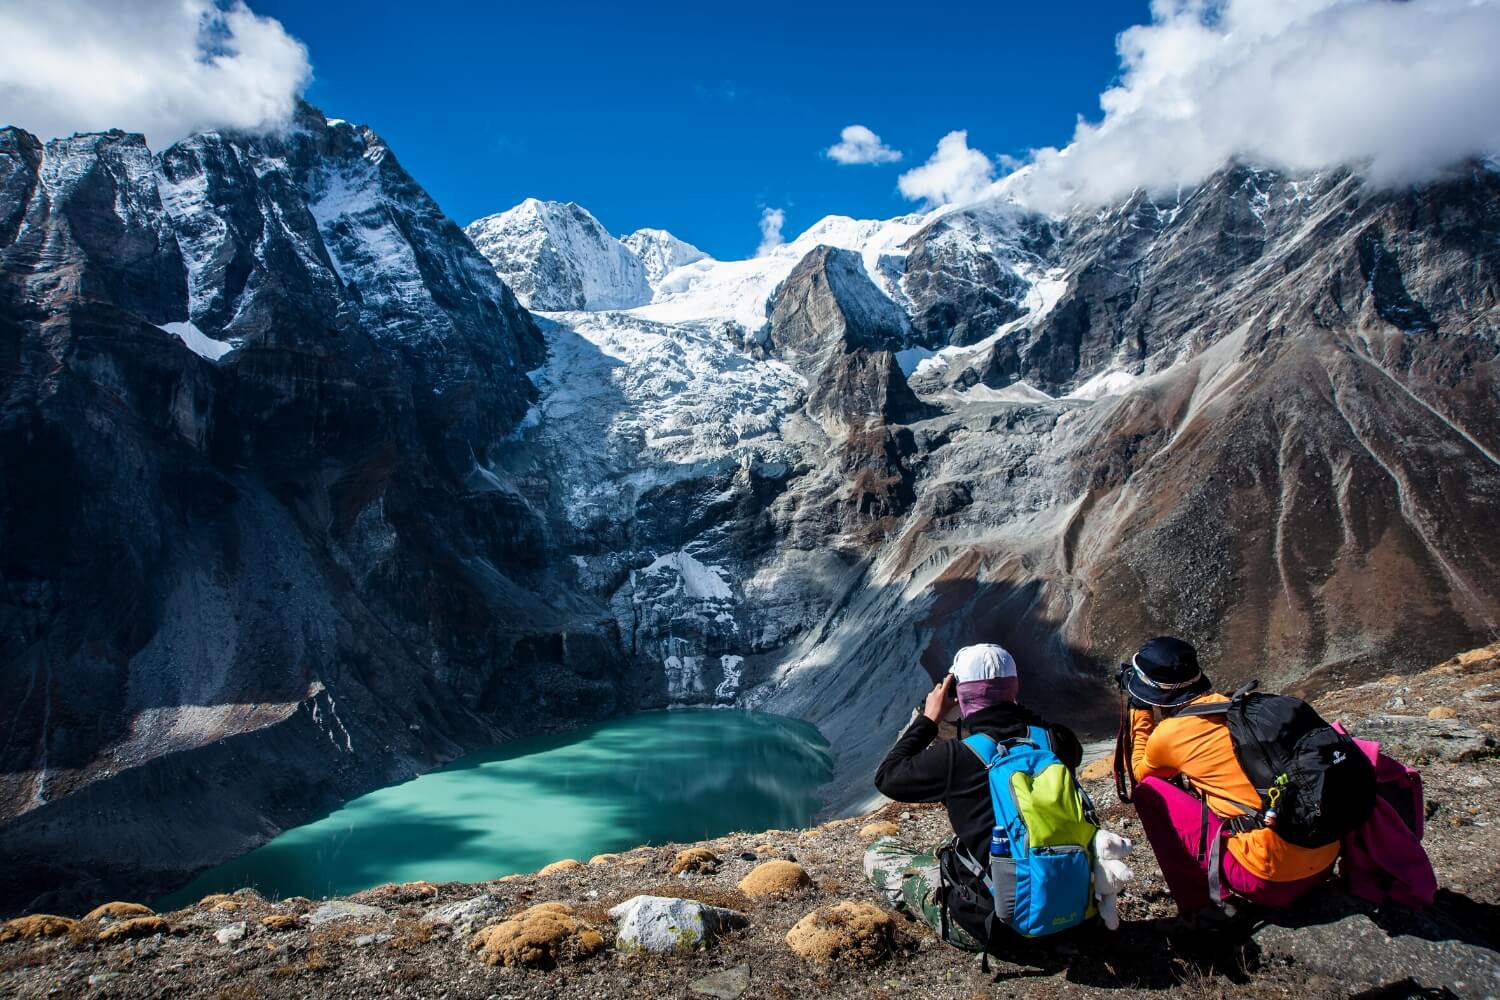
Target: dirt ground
[[1444, 720]]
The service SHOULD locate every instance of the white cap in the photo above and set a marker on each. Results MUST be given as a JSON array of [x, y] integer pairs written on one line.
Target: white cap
[[983, 662]]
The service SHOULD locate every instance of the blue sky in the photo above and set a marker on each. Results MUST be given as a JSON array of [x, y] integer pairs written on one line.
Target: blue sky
[[694, 118]]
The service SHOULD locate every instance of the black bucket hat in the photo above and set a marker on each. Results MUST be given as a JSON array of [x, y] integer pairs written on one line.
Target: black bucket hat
[[1165, 674]]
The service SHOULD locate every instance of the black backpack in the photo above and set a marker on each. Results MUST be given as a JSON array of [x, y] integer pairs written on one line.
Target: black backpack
[[1315, 783]]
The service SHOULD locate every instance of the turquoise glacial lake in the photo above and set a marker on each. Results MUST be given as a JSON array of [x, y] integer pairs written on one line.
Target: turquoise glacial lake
[[651, 778]]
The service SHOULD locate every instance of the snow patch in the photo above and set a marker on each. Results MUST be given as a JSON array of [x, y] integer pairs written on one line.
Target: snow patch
[[1046, 291], [697, 581], [1114, 383], [731, 683], [1016, 392], [197, 341]]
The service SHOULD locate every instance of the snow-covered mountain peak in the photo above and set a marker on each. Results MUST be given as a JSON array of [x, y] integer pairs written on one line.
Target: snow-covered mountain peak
[[738, 290], [556, 256], [661, 252]]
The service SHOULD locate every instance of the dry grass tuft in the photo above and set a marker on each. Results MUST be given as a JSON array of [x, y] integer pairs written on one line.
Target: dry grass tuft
[[38, 925], [134, 927], [696, 861], [538, 937], [846, 932], [118, 911], [775, 878]]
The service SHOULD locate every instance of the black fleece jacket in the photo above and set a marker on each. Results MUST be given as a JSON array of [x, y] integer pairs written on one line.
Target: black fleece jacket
[[918, 770]]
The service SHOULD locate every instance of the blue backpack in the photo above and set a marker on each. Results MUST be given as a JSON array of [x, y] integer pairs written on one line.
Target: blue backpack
[[1045, 883]]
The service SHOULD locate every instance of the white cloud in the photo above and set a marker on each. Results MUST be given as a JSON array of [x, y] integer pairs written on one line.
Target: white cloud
[[162, 67], [1402, 90], [858, 144], [954, 173], [771, 221]]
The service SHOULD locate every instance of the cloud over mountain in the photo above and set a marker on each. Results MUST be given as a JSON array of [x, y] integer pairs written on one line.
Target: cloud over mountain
[[1402, 89], [162, 67], [771, 221], [859, 145], [954, 173]]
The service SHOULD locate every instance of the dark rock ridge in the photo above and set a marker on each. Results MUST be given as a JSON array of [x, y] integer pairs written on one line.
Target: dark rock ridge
[[835, 327], [259, 563]]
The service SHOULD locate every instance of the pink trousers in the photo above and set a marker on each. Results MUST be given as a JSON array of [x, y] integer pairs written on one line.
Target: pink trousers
[[1173, 821]]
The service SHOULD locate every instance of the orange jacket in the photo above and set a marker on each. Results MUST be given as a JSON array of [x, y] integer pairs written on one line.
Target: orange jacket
[[1200, 750]]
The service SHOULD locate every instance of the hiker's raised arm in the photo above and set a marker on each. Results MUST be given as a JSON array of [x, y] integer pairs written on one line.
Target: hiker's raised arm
[[915, 770]]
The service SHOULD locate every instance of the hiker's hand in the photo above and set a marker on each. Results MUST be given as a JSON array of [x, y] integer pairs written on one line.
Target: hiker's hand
[[940, 700]]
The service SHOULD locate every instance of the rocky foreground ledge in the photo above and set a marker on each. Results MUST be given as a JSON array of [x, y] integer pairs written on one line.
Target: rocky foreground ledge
[[785, 914]]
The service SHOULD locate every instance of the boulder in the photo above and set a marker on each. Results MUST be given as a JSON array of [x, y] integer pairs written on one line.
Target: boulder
[[342, 909], [38, 925], [845, 932], [663, 924], [775, 878], [468, 915], [695, 860], [1440, 738], [728, 984], [231, 933], [1359, 952], [540, 936]]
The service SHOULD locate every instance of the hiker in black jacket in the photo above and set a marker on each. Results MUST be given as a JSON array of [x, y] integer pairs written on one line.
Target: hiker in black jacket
[[981, 687]]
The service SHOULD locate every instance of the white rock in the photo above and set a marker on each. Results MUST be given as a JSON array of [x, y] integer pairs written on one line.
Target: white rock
[[340, 909], [467, 916], [231, 933], [664, 924]]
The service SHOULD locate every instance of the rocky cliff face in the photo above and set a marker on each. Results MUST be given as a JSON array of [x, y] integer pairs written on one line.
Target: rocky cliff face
[[1262, 415], [285, 517], [254, 555]]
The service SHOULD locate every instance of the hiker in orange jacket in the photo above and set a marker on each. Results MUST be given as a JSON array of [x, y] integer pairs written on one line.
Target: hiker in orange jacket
[[1204, 849]]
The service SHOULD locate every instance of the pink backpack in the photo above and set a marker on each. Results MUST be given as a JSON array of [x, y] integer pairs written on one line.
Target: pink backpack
[[1383, 860]]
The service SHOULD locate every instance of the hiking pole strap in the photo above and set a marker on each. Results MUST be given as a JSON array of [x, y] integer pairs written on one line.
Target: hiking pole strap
[[1215, 863], [1203, 848], [1124, 774]]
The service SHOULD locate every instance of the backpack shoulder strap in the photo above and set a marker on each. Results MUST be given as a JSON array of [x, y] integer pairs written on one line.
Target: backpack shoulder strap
[[1040, 736], [1206, 708], [1218, 707], [984, 747]]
